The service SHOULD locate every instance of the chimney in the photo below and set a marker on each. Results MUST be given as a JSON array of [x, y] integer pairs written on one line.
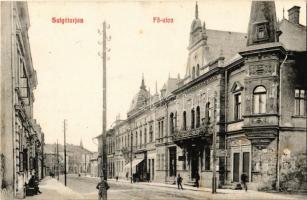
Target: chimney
[[294, 14]]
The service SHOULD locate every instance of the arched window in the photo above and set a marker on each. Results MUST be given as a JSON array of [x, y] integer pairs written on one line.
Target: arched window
[[208, 112], [259, 96], [197, 70], [136, 139], [171, 122], [150, 133], [197, 116], [141, 138], [192, 118], [193, 72], [184, 121], [145, 135]]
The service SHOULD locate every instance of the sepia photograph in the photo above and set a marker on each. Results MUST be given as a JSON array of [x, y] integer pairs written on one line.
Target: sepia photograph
[[153, 100]]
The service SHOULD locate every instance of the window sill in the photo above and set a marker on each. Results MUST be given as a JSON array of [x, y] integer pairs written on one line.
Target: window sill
[[235, 121], [299, 116], [206, 170]]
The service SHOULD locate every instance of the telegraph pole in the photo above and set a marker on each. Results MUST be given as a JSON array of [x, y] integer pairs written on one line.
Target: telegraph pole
[[65, 180], [57, 158], [214, 148], [104, 160]]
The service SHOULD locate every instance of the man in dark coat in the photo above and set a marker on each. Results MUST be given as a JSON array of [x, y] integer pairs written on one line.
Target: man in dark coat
[[102, 186], [197, 177], [179, 182], [244, 180]]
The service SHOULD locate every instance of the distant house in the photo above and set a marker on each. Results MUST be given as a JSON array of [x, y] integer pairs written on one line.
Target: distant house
[[78, 159]]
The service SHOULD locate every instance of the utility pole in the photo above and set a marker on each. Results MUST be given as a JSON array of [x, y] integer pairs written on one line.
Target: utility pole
[[214, 147], [65, 180], [131, 157], [57, 159], [104, 160]]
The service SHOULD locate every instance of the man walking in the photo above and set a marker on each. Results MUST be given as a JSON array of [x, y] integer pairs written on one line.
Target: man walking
[[179, 182], [102, 186], [197, 177], [244, 180]]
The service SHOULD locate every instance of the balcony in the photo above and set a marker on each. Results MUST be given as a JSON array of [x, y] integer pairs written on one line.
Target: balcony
[[202, 131]]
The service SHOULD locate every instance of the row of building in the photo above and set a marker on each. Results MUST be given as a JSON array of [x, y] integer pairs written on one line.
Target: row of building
[[79, 160], [248, 89], [21, 136]]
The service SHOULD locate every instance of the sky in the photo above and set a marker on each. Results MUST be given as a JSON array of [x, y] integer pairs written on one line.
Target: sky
[[69, 70]]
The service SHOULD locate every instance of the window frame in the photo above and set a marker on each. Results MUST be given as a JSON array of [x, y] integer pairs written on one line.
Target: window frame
[[299, 101], [259, 100], [237, 106]]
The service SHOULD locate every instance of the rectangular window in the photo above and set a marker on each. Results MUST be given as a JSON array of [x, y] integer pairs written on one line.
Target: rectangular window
[[300, 102], [238, 111]]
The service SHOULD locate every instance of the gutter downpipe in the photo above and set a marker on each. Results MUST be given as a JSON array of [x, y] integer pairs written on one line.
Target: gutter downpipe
[[279, 123], [226, 107]]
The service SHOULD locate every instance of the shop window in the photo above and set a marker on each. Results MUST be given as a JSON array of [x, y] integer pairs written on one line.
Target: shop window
[[207, 158]]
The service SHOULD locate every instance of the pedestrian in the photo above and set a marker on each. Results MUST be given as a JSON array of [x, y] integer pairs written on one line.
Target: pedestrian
[[197, 177], [127, 175], [102, 186], [244, 180], [116, 178], [179, 182], [33, 183]]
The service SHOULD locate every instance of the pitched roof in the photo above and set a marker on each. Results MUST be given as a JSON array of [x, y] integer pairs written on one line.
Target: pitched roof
[[51, 148], [293, 35], [230, 43]]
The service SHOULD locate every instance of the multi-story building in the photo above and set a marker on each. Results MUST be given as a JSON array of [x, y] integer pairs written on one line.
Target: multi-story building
[[21, 137], [246, 92], [78, 159]]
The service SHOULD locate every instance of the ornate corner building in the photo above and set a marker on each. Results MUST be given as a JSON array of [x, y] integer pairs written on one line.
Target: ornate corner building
[[21, 137], [248, 89]]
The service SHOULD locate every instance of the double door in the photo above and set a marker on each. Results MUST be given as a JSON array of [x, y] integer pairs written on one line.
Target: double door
[[241, 164]]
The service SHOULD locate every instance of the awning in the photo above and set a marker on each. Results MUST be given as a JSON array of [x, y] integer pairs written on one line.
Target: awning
[[135, 162]]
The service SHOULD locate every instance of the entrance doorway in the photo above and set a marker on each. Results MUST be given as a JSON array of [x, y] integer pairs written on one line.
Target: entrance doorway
[[194, 163], [172, 161], [236, 167], [240, 165]]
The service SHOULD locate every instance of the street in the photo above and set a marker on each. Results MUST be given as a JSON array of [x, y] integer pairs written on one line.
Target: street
[[85, 188]]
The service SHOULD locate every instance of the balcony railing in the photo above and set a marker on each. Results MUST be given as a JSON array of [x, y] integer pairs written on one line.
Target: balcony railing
[[204, 130]]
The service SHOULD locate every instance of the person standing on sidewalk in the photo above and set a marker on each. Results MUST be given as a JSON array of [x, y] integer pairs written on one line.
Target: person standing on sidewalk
[[102, 186], [179, 182], [197, 177], [244, 180]]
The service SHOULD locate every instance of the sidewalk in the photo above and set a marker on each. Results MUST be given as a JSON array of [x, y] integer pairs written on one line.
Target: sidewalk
[[53, 190], [222, 193]]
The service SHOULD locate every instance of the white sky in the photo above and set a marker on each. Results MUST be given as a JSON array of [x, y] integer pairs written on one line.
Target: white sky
[[69, 69]]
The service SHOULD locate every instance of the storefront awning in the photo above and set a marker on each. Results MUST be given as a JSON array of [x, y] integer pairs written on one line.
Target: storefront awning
[[135, 162]]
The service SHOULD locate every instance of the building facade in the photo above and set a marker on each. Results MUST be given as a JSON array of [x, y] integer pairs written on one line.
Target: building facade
[[21, 136], [78, 159], [243, 95]]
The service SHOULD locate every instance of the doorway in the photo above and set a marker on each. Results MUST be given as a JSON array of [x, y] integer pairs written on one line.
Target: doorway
[[236, 167], [241, 164], [194, 163], [172, 161]]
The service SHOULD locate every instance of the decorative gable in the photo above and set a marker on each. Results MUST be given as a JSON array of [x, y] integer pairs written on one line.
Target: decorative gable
[[236, 87]]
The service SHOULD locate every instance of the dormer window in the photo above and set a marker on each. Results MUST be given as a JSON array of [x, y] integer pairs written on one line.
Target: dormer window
[[261, 32]]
